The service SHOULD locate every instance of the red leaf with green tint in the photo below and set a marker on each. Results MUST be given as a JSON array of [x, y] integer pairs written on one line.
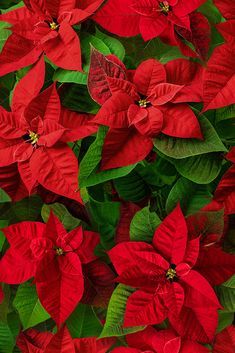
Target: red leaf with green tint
[[101, 68]]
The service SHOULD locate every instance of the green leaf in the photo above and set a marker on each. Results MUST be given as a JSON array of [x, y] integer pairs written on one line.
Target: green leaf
[[4, 33], [83, 322], [105, 216], [225, 113], [28, 306], [92, 157], [3, 224], [192, 197], [7, 341], [28, 209], [62, 213], [132, 187], [157, 173], [115, 314], [225, 320], [143, 225], [88, 174], [209, 10], [182, 148], [4, 197], [114, 45], [226, 293], [202, 169], [76, 97]]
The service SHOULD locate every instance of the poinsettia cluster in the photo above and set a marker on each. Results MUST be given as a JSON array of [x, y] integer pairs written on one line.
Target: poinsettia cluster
[[117, 192]]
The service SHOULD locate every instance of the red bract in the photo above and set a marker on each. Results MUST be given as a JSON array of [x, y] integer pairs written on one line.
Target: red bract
[[34, 136], [167, 285], [164, 341], [45, 27], [219, 78], [150, 102], [225, 191], [127, 212], [1, 295], [32, 341], [225, 341], [215, 265], [150, 18], [54, 258], [226, 7]]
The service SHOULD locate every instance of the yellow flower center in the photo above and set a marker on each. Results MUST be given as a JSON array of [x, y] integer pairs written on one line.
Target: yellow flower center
[[165, 7], [59, 251], [53, 26], [171, 274], [33, 137], [143, 103]]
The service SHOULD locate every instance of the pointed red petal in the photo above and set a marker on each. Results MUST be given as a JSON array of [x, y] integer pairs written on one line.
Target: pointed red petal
[[86, 250], [46, 105], [114, 111], [200, 290], [61, 342], [118, 17], [180, 121], [170, 238], [15, 269], [78, 125], [123, 147], [164, 93], [189, 74], [56, 169], [144, 308], [29, 86], [17, 53], [57, 276], [215, 265], [219, 78], [65, 50], [26, 175], [149, 74], [10, 126], [225, 341]]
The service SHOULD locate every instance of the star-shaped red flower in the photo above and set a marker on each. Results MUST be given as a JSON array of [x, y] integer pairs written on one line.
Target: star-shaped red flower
[[54, 258], [35, 135], [45, 26], [139, 105], [152, 18], [167, 284]]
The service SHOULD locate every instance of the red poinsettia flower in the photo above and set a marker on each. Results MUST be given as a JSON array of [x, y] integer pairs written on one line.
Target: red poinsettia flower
[[225, 191], [54, 258], [45, 27], [152, 18], [167, 284], [32, 341], [35, 133], [138, 109], [165, 341], [225, 341]]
